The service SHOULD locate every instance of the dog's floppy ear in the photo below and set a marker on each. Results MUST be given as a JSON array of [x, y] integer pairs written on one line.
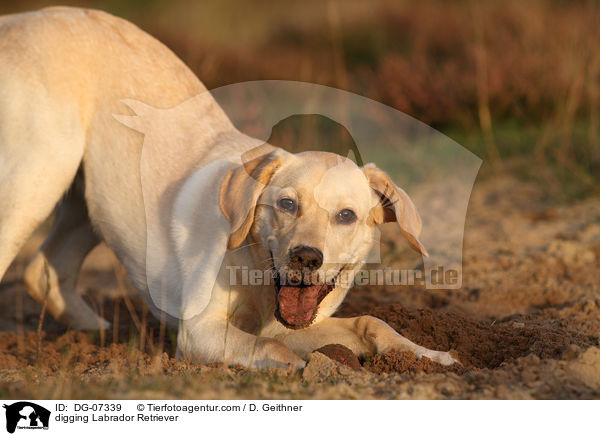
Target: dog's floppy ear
[[241, 190], [395, 205]]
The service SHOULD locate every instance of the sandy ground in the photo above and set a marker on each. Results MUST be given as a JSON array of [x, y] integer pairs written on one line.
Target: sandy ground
[[525, 324]]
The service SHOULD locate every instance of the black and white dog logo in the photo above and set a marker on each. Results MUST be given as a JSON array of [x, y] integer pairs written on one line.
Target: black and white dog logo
[[26, 415]]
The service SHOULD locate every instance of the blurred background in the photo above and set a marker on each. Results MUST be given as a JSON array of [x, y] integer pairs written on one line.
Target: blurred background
[[517, 83]]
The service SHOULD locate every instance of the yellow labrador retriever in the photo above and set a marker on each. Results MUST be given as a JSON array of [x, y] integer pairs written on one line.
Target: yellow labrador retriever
[[307, 217]]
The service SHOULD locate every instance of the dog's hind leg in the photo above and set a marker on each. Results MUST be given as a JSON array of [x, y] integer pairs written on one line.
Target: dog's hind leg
[[52, 274], [26, 200], [42, 142], [41, 148]]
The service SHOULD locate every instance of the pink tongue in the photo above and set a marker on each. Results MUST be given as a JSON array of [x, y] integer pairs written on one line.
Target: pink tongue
[[298, 305]]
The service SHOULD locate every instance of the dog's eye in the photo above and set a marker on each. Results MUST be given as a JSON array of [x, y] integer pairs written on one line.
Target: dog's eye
[[345, 216], [287, 204]]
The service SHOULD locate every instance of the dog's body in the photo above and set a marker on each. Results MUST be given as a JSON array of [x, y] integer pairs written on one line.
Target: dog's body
[[64, 75]]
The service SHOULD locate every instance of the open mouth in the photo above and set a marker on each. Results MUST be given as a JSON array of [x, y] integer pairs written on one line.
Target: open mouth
[[297, 303]]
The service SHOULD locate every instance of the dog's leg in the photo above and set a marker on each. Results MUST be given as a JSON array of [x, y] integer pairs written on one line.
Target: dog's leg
[[52, 274], [363, 334], [24, 204], [41, 147], [208, 339]]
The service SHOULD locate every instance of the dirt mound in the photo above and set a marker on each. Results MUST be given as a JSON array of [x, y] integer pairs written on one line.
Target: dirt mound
[[477, 344], [404, 362]]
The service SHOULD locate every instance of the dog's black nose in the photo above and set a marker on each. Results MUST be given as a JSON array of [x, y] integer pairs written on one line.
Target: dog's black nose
[[303, 257]]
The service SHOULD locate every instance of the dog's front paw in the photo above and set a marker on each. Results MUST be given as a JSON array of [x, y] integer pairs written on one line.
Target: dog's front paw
[[442, 357], [270, 353]]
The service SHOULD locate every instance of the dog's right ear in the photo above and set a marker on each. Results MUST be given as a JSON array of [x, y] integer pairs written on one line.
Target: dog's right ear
[[242, 188]]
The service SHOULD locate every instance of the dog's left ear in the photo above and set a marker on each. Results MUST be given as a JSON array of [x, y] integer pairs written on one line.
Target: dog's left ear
[[241, 190], [395, 205]]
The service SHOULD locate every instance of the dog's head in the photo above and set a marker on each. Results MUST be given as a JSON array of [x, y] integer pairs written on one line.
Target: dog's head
[[310, 216]]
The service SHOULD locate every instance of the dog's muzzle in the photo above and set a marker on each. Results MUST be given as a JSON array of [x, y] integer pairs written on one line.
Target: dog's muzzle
[[298, 303]]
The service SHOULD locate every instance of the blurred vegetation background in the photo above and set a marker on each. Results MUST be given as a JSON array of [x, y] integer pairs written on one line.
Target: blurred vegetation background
[[518, 83]]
